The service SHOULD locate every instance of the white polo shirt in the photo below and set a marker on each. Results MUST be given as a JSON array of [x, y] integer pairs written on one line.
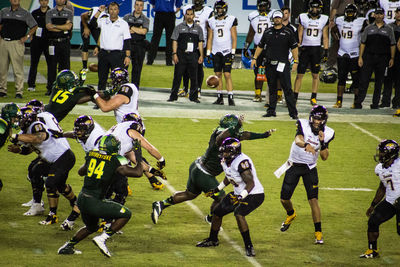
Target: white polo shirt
[[113, 34]]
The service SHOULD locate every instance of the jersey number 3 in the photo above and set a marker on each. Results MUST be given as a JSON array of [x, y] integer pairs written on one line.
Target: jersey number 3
[[95, 169]]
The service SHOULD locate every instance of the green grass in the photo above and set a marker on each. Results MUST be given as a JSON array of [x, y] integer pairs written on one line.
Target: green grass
[[172, 241]]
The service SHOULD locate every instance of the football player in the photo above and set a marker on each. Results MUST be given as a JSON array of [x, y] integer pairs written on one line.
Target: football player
[[389, 6], [57, 161], [259, 21], [247, 196], [313, 27], [348, 28], [9, 119], [222, 40], [386, 202], [130, 128], [312, 140], [203, 170], [91, 200]]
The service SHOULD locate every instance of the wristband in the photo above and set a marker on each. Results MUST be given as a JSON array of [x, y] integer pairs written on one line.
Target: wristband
[[295, 61], [208, 52], [221, 186], [15, 137], [323, 146], [253, 58], [96, 96], [233, 51], [373, 204], [174, 53], [161, 159], [244, 194]]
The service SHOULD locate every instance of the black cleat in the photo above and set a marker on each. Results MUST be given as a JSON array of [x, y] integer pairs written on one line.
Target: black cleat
[[250, 252], [219, 101], [207, 243]]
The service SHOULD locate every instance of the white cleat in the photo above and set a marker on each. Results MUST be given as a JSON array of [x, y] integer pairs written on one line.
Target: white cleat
[[30, 202], [36, 209], [67, 225], [100, 242], [157, 210]]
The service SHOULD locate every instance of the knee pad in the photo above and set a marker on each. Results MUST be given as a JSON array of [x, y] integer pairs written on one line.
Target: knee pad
[[52, 192], [51, 182], [66, 191]]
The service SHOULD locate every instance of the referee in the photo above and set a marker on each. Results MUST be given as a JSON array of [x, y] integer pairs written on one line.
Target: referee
[[114, 42], [377, 51], [138, 27], [187, 42], [278, 41]]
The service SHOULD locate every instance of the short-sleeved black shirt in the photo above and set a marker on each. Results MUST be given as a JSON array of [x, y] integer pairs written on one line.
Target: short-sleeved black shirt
[[15, 23]]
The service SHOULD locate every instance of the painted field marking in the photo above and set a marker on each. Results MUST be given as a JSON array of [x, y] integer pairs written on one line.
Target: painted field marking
[[223, 234], [365, 131], [195, 120], [346, 189], [249, 122]]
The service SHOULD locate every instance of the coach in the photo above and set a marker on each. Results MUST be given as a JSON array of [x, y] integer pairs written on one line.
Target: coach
[[187, 43], [278, 41], [14, 22], [164, 18], [114, 42]]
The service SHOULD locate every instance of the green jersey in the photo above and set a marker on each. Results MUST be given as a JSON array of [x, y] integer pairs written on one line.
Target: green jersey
[[63, 101], [100, 172], [4, 132]]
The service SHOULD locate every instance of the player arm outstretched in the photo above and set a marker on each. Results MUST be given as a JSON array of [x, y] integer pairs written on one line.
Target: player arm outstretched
[[380, 193], [136, 171], [146, 145], [112, 104]]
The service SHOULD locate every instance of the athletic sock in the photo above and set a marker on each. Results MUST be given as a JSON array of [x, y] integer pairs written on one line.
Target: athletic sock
[[168, 202], [214, 235], [73, 216], [290, 212], [340, 98], [53, 210], [373, 245], [317, 227], [314, 95], [84, 64], [246, 238]]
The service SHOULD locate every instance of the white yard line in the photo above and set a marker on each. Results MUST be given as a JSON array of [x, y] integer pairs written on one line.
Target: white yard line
[[365, 131], [346, 189], [224, 235], [195, 120]]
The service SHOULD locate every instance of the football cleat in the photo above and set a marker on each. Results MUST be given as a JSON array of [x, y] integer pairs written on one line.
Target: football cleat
[[36, 209], [199, 94], [397, 113], [288, 221], [68, 249], [100, 242], [219, 101], [130, 192], [231, 102], [318, 238], [313, 101], [250, 252], [30, 202], [257, 98], [157, 210], [370, 254], [50, 219], [160, 174], [207, 243], [67, 225], [157, 185], [182, 93], [338, 104]]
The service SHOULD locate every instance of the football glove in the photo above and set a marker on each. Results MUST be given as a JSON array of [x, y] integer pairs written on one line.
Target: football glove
[[161, 164], [158, 173], [56, 134], [232, 59], [137, 149], [212, 192], [90, 90], [110, 92]]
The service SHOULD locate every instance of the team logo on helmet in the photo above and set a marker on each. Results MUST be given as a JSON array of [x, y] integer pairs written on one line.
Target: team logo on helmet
[[229, 120], [220, 8], [320, 113], [36, 105], [386, 151], [27, 118], [66, 80], [230, 149], [109, 144], [119, 76], [11, 114]]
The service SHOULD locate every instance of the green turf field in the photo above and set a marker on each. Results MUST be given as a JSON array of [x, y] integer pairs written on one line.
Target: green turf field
[[23, 242]]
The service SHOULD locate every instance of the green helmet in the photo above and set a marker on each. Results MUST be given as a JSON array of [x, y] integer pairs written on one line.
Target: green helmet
[[10, 111], [229, 120], [66, 79], [109, 144]]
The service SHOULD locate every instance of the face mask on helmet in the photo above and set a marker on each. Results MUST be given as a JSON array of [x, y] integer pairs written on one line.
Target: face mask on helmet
[[386, 151], [83, 127], [198, 3], [230, 149], [27, 118], [318, 118], [263, 7], [11, 114], [315, 8], [350, 12], [119, 76], [109, 145], [220, 9], [36, 105]]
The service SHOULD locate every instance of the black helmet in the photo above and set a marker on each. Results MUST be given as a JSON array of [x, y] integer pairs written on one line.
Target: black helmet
[[36, 105], [328, 76], [83, 126], [386, 151], [135, 118], [119, 76], [198, 3], [318, 112], [350, 12], [27, 118], [230, 149], [315, 4], [263, 6], [220, 4]]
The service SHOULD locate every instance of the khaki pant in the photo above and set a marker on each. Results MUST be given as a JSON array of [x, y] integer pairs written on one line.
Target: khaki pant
[[12, 52]]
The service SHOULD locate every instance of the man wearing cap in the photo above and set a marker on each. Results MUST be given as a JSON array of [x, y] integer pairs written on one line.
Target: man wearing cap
[[377, 52], [277, 41]]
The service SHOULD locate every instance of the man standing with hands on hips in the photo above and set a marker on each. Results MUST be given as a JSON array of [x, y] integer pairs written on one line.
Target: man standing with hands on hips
[[113, 46], [278, 41]]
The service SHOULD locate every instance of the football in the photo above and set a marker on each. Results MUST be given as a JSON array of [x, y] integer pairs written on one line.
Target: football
[[212, 81], [93, 67]]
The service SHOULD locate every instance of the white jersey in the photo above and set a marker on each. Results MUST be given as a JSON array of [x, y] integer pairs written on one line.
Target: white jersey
[[50, 149], [222, 38], [241, 163], [390, 9], [390, 178], [130, 90], [299, 155], [92, 142], [51, 122], [120, 131], [313, 28], [259, 23], [350, 36], [201, 19]]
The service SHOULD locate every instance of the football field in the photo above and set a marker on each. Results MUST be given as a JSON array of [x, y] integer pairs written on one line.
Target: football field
[[181, 132]]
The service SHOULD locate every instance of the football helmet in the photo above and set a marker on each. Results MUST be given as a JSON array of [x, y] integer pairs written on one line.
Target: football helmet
[[83, 127], [109, 144], [246, 60], [27, 118], [386, 151], [328, 76], [318, 112], [135, 118], [119, 76], [208, 62], [229, 120], [230, 149], [318, 4], [11, 114], [222, 6], [36, 105], [198, 3], [263, 6], [66, 80], [350, 12]]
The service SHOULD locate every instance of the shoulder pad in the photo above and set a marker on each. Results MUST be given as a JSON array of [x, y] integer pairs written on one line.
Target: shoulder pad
[[38, 127], [122, 160], [3, 126], [125, 90]]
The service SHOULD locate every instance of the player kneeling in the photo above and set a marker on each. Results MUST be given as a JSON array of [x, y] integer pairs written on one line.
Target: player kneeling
[[248, 193], [99, 170]]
